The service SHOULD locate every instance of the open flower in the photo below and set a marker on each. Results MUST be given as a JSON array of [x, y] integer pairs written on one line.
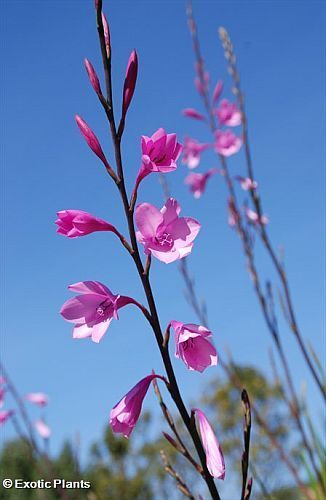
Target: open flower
[[93, 310], [228, 114], [197, 182], [214, 456], [246, 183], [192, 150], [163, 233], [43, 429], [5, 415], [125, 414], [73, 223], [227, 143], [159, 153], [193, 346], [38, 398]]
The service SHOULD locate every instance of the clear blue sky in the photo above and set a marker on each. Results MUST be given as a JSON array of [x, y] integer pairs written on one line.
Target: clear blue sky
[[47, 167]]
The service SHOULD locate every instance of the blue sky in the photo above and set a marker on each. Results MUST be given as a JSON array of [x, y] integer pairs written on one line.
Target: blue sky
[[47, 167]]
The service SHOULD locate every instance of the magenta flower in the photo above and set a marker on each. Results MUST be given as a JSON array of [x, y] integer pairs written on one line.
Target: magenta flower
[[197, 182], [163, 233], [74, 223], [192, 150], [227, 143], [106, 31], [5, 415], [159, 154], [217, 91], [43, 429], [38, 398], [214, 456], [130, 82], [193, 113], [246, 183], [91, 139], [228, 114], [93, 78], [93, 310], [254, 218], [192, 346], [125, 414]]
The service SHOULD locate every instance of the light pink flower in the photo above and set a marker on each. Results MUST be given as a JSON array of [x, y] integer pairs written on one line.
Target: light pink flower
[[130, 82], [106, 31], [93, 310], [197, 182], [43, 429], [193, 346], [192, 150], [163, 233], [217, 91], [192, 113], [91, 139], [254, 218], [125, 414], [38, 398], [93, 78], [227, 143], [246, 183], [228, 114], [214, 456], [159, 154], [73, 223], [5, 415]]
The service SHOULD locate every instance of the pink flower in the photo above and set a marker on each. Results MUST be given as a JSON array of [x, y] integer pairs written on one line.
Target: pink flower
[[106, 31], [5, 415], [159, 153], [2, 380], [191, 152], [254, 218], [163, 233], [38, 398], [93, 310], [93, 78], [125, 414], [192, 113], [130, 82], [228, 114], [214, 456], [91, 139], [2, 396], [246, 183], [217, 91], [197, 182], [73, 223], [43, 429], [202, 87], [233, 217], [192, 346], [227, 143]]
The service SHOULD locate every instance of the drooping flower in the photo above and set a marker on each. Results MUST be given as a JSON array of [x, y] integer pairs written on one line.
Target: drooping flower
[[42, 428], [217, 91], [191, 152], [130, 81], [254, 218], [93, 310], [214, 456], [159, 154], [227, 143], [193, 113], [193, 346], [163, 233], [246, 183], [125, 414], [197, 182], [93, 78], [74, 223], [38, 398], [228, 114], [5, 415]]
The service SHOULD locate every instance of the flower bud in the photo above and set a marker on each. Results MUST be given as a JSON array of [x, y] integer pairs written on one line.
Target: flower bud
[[130, 82], [91, 139], [93, 78], [106, 30]]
